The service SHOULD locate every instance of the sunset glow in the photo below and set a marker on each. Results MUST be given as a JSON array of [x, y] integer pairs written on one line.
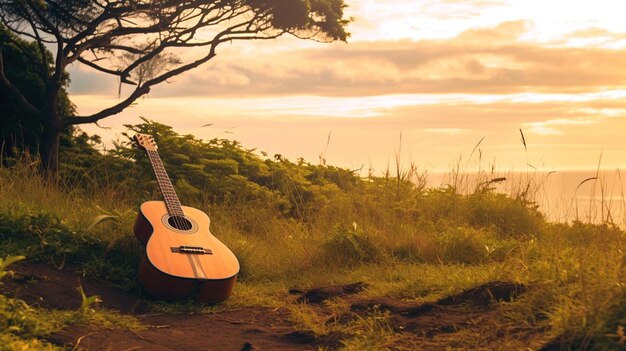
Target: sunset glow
[[443, 74]]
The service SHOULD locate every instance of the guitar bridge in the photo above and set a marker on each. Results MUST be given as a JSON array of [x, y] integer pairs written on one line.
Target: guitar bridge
[[196, 250]]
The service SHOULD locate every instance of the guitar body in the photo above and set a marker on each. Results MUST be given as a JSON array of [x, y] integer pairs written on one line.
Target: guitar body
[[183, 263]]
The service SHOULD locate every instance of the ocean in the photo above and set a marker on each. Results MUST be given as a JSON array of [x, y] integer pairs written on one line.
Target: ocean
[[585, 195]]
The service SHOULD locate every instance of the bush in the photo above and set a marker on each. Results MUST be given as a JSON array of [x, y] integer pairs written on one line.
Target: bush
[[463, 245], [44, 237], [512, 217], [349, 246]]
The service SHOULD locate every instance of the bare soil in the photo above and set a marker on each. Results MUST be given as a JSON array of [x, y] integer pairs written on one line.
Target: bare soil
[[469, 320]]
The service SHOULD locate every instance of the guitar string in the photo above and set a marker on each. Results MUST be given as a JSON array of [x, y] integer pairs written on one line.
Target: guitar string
[[164, 182], [171, 196], [166, 186]]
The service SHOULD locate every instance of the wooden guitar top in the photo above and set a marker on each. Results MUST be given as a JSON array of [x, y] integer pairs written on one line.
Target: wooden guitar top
[[195, 253]]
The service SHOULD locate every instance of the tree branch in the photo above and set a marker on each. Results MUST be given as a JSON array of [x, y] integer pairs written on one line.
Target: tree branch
[[144, 88], [59, 65], [43, 69], [139, 91], [106, 70]]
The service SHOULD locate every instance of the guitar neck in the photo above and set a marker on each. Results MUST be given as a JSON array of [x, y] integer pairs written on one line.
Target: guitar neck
[[165, 184]]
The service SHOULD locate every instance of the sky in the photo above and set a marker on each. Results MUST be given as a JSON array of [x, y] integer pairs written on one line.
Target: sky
[[432, 83]]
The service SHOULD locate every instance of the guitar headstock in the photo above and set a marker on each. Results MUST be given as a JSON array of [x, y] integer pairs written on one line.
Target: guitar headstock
[[145, 141]]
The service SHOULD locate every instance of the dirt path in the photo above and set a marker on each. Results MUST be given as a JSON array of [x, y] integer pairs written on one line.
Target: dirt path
[[422, 326], [245, 329], [239, 329]]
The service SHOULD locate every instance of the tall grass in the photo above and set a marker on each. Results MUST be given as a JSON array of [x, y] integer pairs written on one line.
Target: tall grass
[[23, 190], [402, 238]]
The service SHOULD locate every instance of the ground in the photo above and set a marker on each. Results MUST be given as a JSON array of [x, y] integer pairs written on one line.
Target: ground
[[469, 320]]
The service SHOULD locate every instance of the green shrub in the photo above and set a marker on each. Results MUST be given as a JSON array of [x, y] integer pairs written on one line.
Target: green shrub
[[463, 245], [512, 217], [349, 246], [39, 235], [44, 237], [595, 234], [443, 205]]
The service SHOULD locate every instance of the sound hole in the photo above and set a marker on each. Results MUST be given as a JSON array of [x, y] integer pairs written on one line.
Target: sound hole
[[180, 223]]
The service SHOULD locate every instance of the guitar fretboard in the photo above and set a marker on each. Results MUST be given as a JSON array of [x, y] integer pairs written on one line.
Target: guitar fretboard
[[165, 184]]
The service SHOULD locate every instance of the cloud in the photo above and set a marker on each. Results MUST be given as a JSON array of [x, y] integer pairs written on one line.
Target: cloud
[[85, 81], [474, 3], [549, 127], [459, 9], [592, 32], [477, 61], [593, 37], [504, 33]]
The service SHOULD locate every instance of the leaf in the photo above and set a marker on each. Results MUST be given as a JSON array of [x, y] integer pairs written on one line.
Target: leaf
[[86, 302], [476, 146], [102, 218], [523, 139], [585, 181], [352, 239], [4, 263]]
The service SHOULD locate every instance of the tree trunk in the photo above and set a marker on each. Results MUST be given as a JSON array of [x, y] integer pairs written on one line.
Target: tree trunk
[[49, 145], [49, 151]]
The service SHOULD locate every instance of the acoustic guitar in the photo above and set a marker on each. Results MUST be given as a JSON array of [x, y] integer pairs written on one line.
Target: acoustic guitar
[[182, 258]]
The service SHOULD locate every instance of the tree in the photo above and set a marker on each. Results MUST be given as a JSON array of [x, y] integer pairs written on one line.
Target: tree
[[138, 42], [19, 130]]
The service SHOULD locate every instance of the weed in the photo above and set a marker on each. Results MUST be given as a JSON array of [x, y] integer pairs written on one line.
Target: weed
[[7, 261], [305, 318], [350, 246], [373, 332]]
